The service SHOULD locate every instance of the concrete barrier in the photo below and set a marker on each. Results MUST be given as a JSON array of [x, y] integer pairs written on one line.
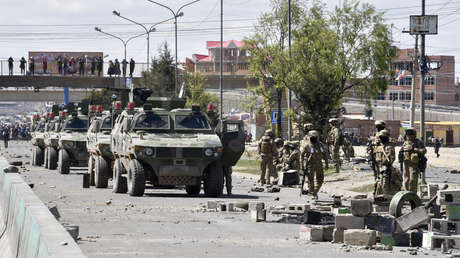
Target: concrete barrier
[[27, 228]]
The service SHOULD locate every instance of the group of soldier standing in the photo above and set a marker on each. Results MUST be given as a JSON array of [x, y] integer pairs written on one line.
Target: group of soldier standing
[[307, 157]]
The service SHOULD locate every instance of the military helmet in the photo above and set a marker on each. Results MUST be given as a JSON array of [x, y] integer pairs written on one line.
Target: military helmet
[[313, 133], [333, 120], [268, 133], [411, 131], [380, 123], [307, 126], [384, 133], [278, 140]]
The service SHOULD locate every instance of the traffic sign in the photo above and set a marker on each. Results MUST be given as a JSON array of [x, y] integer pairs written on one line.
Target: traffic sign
[[275, 117], [423, 24]]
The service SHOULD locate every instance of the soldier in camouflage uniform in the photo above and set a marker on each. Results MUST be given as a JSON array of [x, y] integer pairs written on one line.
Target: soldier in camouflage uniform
[[283, 154], [335, 135], [384, 153], [347, 146], [311, 160], [412, 151], [294, 157], [279, 148], [267, 151]]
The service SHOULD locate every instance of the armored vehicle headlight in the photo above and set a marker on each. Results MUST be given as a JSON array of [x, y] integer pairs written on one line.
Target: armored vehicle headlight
[[69, 144], [208, 152], [149, 151]]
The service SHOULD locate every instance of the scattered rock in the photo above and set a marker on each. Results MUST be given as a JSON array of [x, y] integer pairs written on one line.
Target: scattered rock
[[108, 202], [11, 169], [52, 186], [16, 163], [257, 189], [413, 252], [63, 243], [276, 199]]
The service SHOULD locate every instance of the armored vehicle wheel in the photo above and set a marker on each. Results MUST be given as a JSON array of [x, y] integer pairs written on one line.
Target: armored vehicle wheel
[[214, 180], [136, 178], [91, 170], [119, 181], [38, 156], [53, 158], [64, 164], [32, 161], [193, 189], [45, 160], [101, 179]]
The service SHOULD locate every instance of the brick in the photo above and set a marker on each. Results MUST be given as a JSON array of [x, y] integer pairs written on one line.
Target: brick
[[447, 197], [301, 208], [312, 233], [337, 235], [445, 226], [258, 215], [256, 206], [328, 232], [349, 222], [416, 239], [361, 207], [411, 220], [230, 207], [381, 208], [380, 222], [222, 206], [362, 237], [287, 178], [453, 212]]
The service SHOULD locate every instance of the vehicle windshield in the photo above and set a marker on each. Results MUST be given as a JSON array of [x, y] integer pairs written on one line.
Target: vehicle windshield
[[76, 124], [191, 122], [152, 121], [107, 123]]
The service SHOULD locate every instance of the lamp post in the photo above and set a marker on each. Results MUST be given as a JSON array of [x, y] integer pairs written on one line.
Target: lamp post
[[176, 15], [147, 31]]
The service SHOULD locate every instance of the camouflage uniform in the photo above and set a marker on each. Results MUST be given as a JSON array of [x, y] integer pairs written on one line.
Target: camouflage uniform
[[384, 152], [412, 150], [346, 145], [267, 151], [311, 159], [279, 148], [334, 141], [293, 160]]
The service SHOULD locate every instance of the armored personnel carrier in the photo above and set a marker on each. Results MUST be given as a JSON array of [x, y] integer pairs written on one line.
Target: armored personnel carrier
[[51, 139], [38, 144]]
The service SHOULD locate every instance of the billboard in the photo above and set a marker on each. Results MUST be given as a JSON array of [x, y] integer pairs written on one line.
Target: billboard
[[71, 58], [423, 24]]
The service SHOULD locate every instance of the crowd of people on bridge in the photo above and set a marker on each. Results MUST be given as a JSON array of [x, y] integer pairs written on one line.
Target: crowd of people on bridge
[[83, 65]]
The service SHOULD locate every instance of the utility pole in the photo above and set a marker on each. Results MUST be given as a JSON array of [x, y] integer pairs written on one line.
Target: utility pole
[[423, 69], [289, 102], [413, 88], [221, 88]]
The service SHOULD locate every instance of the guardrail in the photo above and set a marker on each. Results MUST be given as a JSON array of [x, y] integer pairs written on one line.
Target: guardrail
[[27, 228]]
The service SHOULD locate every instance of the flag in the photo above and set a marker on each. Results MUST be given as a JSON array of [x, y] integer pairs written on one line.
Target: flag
[[400, 74]]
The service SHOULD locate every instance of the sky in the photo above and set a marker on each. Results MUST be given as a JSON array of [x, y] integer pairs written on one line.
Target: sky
[[62, 25]]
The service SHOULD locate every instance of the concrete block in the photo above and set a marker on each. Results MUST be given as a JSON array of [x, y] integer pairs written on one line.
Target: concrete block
[[416, 239], [341, 210], [433, 190], [86, 180], [256, 206], [241, 205], [448, 197], [411, 220], [381, 208], [301, 208], [230, 207], [445, 226], [318, 218], [396, 239], [273, 189], [380, 222], [347, 221], [212, 205], [361, 207], [430, 241], [362, 237], [73, 231], [453, 212], [328, 231], [11, 169], [312, 233], [287, 178], [258, 215], [222, 206], [337, 235]]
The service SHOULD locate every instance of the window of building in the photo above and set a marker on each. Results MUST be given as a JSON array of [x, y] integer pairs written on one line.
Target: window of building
[[406, 81], [393, 95], [380, 96], [404, 95], [429, 95], [430, 80], [242, 52]]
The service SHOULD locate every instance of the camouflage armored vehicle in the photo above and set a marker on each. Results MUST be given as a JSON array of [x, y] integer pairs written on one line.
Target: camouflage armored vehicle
[[52, 141], [72, 143], [38, 144], [98, 145], [170, 147]]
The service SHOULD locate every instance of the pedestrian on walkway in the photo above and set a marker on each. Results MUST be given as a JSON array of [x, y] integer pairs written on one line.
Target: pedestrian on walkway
[[117, 67], [93, 65], [124, 63], [6, 136], [81, 67], [66, 66], [100, 64], [437, 145], [32, 66], [22, 65], [10, 66], [59, 64], [45, 65], [111, 69], [132, 64]]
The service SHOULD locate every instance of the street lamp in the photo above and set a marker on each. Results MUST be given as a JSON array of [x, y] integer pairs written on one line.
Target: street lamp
[[125, 42], [176, 15], [147, 31]]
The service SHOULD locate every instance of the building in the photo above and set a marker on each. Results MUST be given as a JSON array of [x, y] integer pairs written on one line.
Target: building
[[440, 85]]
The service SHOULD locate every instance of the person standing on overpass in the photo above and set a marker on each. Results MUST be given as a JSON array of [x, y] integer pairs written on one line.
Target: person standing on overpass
[[10, 66], [123, 67], [32, 66], [132, 64], [22, 65]]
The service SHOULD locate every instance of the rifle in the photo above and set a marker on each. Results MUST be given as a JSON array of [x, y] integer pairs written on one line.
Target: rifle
[[388, 172], [401, 160], [305, 173], [372, 157]]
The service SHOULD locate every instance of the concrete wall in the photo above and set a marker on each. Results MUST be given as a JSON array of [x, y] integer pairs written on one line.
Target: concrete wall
[[27, 228]]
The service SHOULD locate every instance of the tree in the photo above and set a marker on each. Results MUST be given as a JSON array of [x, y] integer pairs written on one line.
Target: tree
[[161, 76], [99, 97], [196, 92]]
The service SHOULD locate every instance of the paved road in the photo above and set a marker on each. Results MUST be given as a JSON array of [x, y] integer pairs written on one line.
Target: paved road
[[167, 223]]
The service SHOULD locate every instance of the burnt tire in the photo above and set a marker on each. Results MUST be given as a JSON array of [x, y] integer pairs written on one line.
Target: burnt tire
[[91, 170], [136, 178], [39, 156], [193, 189], [46, 158], [120, 184], [101, 180], [63, 162], [214, 180], [52, 158]]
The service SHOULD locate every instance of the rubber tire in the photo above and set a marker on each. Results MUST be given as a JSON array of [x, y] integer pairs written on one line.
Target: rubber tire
[[120, 184], [193, 189], [46, 159], [63, 163], [53, 158], [39, 156], [136, 178], [91, 170], [214, 180], [400, 198], [101, 180]]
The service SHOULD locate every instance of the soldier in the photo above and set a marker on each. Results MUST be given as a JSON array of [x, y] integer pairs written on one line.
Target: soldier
[[267, 151], [283, 154], [335, 136], [279, 148], [346, 145], [311, 157], [384, 157], [293, 161], [412, 152]]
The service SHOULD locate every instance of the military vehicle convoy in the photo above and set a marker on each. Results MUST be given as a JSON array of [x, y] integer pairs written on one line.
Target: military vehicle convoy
[[72, 143], [51, 139], [171, 145], [38, 144]]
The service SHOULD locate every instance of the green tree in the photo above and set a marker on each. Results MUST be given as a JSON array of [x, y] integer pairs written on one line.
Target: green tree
[[196, 92], [161, 76], [99, 97]]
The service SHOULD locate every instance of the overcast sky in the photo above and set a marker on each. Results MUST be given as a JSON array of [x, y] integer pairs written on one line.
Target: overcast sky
[[63, 25]]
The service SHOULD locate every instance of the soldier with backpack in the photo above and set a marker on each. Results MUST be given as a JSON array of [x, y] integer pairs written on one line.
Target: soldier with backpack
[[267, 151]]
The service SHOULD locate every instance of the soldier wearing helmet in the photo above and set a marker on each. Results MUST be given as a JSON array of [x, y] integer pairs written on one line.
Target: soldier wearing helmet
[[380, 125], [347, 147], [311, 157], [388, 181], [412, 152], [335, 139], [293, 158], [267, 151]]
